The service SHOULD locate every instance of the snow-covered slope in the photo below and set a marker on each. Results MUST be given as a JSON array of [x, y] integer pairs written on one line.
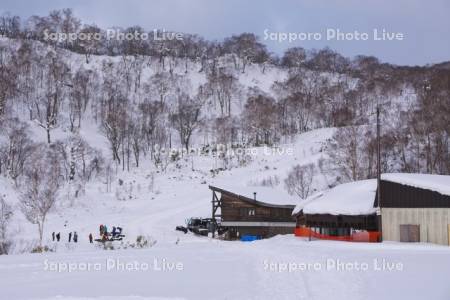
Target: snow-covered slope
[[149, 201], [153, 203]]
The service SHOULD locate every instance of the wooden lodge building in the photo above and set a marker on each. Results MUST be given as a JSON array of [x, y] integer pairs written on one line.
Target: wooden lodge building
[[243, 217], [413, 208]]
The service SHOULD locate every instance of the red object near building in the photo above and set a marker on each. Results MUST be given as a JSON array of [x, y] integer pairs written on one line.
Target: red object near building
[[357, 236]]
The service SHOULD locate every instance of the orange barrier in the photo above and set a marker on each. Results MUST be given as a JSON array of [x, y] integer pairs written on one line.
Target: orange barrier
[[361, 236]]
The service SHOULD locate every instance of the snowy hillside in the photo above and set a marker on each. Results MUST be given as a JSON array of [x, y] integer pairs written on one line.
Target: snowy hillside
[[132, 135], [153, 203]]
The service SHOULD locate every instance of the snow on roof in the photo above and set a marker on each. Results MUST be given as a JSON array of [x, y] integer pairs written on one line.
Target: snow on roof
[[437, 183], [353, 198], [302, 203], [270, 195]]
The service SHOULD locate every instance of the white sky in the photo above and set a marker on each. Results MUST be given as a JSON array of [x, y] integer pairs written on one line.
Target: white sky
[[425, 24]]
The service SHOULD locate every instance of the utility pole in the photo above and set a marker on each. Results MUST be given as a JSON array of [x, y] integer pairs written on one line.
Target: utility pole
[[379, 172], [378, 157]]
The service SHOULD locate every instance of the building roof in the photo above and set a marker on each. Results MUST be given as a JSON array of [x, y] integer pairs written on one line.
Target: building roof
[[358, 197], [353, 198], [437, 183], [266, 196]]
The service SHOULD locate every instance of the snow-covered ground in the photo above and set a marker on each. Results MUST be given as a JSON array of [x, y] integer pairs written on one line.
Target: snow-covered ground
[[184, 266], [283, 267]]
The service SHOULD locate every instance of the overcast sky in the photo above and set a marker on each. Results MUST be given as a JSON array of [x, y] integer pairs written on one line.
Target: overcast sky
[[425, 24]]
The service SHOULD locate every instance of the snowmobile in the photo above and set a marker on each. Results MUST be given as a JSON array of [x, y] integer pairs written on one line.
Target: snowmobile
[[115, 235]]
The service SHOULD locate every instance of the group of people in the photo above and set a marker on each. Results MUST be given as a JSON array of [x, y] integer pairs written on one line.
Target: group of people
[[56, 236], [72, 236], [104, 234]]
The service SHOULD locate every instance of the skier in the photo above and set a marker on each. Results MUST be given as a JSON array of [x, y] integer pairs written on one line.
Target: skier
[[75, 237], [70, 236], [58, 236], [53, 236], [90, 238], [114, 231], [101, 229]]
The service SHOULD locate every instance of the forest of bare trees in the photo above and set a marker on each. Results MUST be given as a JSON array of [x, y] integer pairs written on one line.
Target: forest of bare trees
[[141, 113]]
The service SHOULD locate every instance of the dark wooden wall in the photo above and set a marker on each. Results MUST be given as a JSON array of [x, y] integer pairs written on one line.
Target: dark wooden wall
[[361, 222], [403, 196], [263, 232]]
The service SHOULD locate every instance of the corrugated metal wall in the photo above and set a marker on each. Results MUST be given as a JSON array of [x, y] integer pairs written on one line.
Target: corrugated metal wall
[[433, 222]]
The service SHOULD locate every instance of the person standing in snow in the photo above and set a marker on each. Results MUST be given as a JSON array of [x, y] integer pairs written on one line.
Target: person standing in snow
[[90, 238], [53, 236], [75, 237], [58, 236], [101, 229], [70, 236]]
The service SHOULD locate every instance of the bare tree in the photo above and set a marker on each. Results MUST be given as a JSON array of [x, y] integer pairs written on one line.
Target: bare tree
[[186, 118], [222, 87], [294, 57], [160, 84], [5, 216], [299, 180], [27, 82], [7, 78], [42, 182], [346, 152], [16, 149], [151, 113], [79, 96], [56, 83], [260, 114], [89, 46], [245, 49], [9, 25], [114, 122]]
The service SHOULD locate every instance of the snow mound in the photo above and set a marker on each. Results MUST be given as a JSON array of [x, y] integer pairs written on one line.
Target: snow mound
[[437, 183], [354, 198]]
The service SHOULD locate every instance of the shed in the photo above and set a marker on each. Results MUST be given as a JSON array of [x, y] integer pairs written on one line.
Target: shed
[[415, 208]]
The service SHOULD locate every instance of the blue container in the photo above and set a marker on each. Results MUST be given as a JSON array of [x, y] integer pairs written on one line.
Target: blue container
[[249, 238]]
